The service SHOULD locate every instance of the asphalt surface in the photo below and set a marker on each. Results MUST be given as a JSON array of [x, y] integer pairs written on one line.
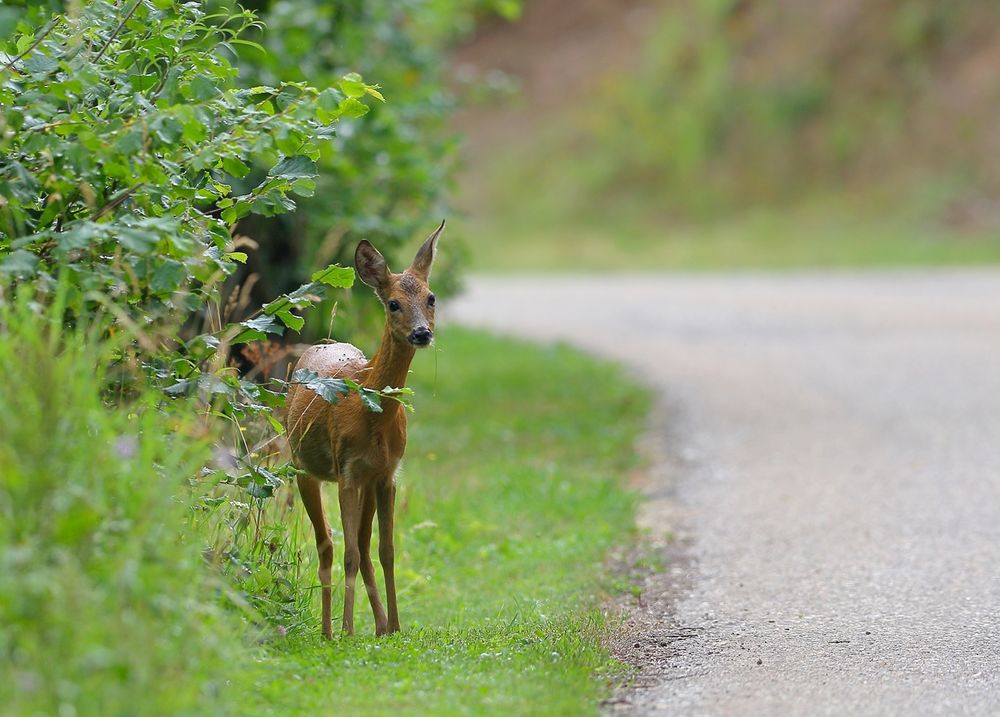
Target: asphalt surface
[[829, 465]]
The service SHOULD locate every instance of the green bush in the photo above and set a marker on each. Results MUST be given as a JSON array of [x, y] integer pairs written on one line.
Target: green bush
[[123, 135], [106, 605], [207, 128], [135, 141], [386, 175]]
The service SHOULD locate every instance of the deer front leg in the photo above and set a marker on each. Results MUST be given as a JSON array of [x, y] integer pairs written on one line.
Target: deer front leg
[[350, 518], [365, 549], [312, 499], [386, 494]]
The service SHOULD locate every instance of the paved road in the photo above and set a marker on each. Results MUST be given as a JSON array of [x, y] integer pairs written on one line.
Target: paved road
[[831, 451]]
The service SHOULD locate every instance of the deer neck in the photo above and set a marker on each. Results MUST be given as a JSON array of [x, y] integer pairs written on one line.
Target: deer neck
[[390, 365]]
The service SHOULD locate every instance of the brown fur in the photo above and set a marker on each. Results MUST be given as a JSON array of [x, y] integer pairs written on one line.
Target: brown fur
[[357, 448]]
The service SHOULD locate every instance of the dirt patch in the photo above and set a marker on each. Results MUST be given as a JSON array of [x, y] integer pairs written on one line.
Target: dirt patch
[[659, 569], [649, 635]]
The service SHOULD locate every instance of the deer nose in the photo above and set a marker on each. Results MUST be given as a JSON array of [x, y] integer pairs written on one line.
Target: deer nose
[[421, 336]]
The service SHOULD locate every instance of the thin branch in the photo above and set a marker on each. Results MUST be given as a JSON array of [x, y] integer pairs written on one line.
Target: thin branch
[[38, 41], [128, 16], [56, 123], [116, 200]]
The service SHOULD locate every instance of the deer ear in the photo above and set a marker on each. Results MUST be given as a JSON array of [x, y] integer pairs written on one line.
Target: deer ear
[[421, 265], [371, 266]]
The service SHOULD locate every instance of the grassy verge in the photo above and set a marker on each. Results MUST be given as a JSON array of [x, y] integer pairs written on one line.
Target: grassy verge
[[792, 238], [554, 227], [106, 606], [509, 499]]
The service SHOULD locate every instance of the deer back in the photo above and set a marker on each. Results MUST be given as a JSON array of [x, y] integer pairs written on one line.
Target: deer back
[[343, 440]]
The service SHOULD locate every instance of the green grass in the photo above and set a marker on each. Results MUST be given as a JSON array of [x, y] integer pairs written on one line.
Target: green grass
[[509, 500], [510, 496], [106, 607], [763, 239], [559, 230]]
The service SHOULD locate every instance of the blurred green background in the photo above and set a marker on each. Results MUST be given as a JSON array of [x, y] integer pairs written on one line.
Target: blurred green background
[[734, 133]]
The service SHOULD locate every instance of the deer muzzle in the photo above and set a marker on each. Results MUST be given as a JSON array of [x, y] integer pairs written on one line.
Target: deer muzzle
[[421, 336]]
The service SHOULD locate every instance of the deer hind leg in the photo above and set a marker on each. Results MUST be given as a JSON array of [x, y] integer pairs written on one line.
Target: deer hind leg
[[367, 568], [350, 518], [312, 499], [386, 494]]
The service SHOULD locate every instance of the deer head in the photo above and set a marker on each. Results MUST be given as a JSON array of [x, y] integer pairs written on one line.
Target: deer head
[[408, 300]]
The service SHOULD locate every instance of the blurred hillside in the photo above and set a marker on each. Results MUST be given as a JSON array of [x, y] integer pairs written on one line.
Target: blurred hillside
[[724, 132]]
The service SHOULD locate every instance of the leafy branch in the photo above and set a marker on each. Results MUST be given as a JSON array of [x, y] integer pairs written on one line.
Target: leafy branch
[[31, 46], [129, 151], [117, 31], [331, 389]]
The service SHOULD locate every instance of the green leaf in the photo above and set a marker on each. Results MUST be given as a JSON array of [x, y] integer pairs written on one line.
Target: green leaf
[[202, 88], [339, 277], [353, 108], [79, 236], [352, 85], [167, 277], [371, 400], [167, 129], [19, 263], [402, 395], [256, 329], [329, 389], [304, 296], [178, 389], [141, 83], [203, 345], [304, 187], [294, 167], [40, 63], [249, 43], [137, 240], [259, 490], [403, 391], [295, 323], [236, 212], [215, 385], [129, 144], [235, 167], [329, 99]]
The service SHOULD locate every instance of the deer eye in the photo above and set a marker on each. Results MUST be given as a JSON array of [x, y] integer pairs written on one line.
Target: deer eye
[[393, 305], [431, 299]]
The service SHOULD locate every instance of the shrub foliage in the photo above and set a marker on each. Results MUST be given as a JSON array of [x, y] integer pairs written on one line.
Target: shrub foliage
[[147, 147], [134, 143], [122, 136]]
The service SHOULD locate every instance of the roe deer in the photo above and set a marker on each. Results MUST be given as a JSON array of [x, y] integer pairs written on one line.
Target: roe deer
[[355, 447]]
